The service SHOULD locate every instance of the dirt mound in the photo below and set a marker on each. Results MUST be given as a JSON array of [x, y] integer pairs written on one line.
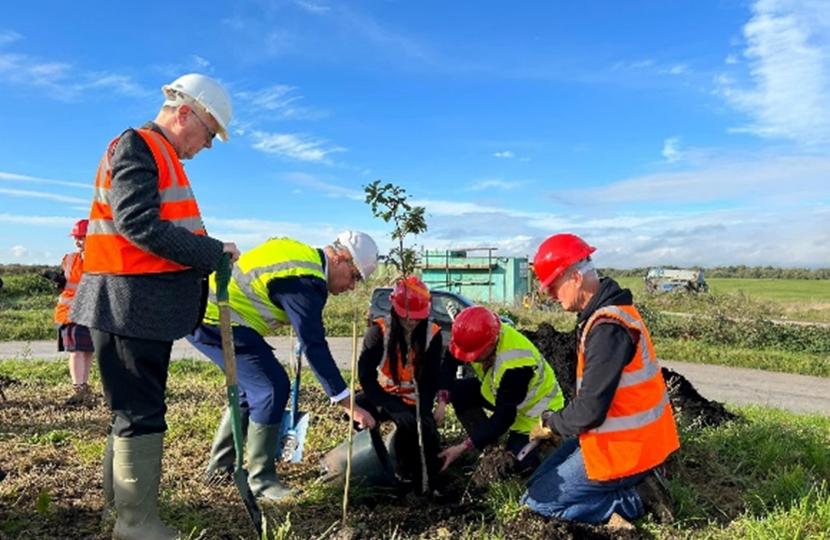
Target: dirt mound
[[559, 349]]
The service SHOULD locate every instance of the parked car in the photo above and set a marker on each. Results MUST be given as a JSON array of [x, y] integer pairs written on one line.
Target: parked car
[[445, 306]]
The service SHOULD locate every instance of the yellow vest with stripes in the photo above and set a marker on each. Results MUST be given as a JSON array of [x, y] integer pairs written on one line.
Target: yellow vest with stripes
[[248, 288], [514, 350]]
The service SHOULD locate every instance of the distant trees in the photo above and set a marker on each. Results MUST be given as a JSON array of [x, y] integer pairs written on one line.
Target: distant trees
[[739, 271]]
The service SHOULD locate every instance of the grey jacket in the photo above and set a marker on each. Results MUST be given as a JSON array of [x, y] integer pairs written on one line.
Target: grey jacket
[[164, 306]]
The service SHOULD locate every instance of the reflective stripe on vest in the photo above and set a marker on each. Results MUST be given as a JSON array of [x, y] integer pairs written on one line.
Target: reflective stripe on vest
[[405, 387], [107, 251], [638, 432], [73, 269], [248, 288], [514, 350]]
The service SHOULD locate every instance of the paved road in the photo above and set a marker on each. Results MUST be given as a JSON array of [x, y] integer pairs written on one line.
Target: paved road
[[739, 386]]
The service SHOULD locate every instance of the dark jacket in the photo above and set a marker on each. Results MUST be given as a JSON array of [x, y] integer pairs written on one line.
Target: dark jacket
[[511, 392], [303, 299], [367, 369], [608, 349], [163, 306]]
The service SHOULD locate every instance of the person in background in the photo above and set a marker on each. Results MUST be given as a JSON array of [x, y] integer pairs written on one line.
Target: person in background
[[280, 282], [144, 285], [74, 338], [619, 426], [399, 349], [512, 379]]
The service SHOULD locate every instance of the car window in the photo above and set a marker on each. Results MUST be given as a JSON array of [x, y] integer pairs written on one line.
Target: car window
[[448, 306]]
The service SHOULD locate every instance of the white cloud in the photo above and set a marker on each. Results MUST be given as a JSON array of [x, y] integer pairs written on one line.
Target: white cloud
[[12, 177], [9, 36], [61, 80], [507, 154], [39, 221], [788, 55], [678, 69], [329, 188], [493, 183], [670, 150], [19, 251], [294, 146], [43, 195], [731, 59], [280, 99], [753, 179], [312, 7]]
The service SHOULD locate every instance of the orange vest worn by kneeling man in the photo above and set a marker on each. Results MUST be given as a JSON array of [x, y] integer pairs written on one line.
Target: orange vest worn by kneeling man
[[106, 251], [639, 431]]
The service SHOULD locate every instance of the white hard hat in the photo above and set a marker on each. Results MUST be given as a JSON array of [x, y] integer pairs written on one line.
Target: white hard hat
[[208, 93], [363, 249]]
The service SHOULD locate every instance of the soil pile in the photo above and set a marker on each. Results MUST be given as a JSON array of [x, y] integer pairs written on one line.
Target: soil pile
[[559, 349]]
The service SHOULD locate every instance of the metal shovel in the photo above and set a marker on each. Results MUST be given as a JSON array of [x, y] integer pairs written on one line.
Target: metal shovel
[[240, 477], [294, 424]]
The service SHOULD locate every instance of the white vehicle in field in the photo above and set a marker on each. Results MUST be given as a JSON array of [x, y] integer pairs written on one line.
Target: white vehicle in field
[[660, 280]]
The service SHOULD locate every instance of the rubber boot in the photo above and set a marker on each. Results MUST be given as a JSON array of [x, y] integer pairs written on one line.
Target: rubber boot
[[109, 491], [471, 419], [136, 468], [263, 440], [222, 460]]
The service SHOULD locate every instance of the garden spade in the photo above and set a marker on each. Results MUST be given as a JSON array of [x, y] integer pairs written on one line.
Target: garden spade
[[240, 478], [294, 424]]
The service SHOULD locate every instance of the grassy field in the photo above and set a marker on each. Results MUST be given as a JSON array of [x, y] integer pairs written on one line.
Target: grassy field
[[797, 299], [762, 478]]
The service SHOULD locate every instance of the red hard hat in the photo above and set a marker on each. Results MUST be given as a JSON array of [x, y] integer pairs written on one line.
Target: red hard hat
[[473, 330], [413, 293], [79, 230], [557, 254]]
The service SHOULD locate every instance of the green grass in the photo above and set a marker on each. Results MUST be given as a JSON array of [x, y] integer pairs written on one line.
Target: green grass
[[763, 477], [801, 363]]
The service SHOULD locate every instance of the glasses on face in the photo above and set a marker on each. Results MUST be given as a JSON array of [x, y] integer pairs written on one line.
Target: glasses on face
[[356, 276], [210, 134]]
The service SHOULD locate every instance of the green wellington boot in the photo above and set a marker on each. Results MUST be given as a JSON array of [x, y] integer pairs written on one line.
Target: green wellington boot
[[136, 468], [109, 492], [263, 440], [222, 454]]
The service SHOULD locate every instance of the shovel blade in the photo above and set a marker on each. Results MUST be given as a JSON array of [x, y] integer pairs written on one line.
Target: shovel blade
[[292, 437], [240, 478]]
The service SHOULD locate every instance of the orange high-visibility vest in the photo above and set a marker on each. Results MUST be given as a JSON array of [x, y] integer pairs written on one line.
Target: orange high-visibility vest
[[639, 431], [73, 269], [106, 251], [405, 389]]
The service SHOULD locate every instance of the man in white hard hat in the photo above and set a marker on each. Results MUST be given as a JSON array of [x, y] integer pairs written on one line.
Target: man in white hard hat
[[280, 282], [146, 262]]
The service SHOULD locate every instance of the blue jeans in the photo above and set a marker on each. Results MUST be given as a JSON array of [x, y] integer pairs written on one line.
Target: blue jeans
[[560, 488], [263, 382]]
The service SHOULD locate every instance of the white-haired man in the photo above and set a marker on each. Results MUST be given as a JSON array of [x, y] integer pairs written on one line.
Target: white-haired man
[[620, 426]]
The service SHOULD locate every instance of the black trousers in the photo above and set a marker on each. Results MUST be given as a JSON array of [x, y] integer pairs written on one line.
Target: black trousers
[[406, 448], [134, 373]]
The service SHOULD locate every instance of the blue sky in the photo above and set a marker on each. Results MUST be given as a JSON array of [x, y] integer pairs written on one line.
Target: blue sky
[[689, 132]]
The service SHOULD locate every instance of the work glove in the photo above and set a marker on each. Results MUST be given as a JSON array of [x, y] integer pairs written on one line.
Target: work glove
[[541, 431]]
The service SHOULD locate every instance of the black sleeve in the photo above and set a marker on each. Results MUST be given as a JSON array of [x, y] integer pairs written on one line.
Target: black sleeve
[[512, 391], [608, 349], [303, 299], [367, 371], [449, 367], [430, 373], [136, 209]]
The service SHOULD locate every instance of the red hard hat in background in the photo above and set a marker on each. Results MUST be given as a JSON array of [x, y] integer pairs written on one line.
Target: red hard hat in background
[[557, 254], [411, 292], [79, 230], [473, 330]]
